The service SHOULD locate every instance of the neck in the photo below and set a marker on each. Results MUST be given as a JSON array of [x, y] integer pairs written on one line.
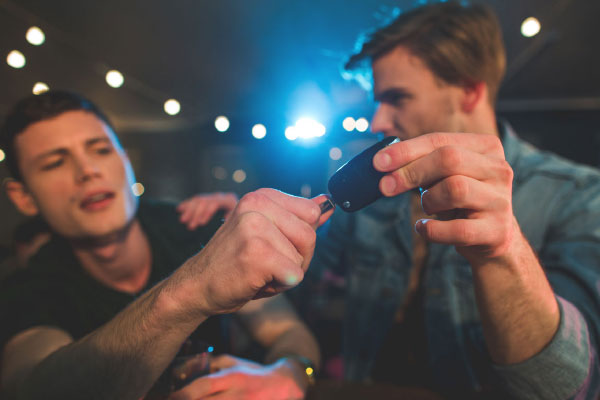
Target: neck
[[121, 261], [482, 120]]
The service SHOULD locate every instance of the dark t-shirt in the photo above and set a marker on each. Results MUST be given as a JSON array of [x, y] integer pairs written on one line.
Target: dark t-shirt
[[55, 291]]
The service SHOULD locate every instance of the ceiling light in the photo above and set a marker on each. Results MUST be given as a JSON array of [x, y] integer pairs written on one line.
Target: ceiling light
[[172, 107], [40, 87], [114, 78], [15, 59], [35, 36], [530, 27], [2, 155]]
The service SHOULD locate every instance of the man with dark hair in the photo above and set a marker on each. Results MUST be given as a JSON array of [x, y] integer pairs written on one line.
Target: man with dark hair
[[478, 273], [105, 306]]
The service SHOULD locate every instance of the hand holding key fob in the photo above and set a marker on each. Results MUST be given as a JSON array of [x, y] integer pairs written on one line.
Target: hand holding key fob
[[355, 184]]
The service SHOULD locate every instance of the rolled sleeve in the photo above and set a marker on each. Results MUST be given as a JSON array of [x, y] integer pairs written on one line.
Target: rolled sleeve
[[562, 370]]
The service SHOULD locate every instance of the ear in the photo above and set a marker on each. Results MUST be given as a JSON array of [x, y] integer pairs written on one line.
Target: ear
[[473, 94], [21, 198]]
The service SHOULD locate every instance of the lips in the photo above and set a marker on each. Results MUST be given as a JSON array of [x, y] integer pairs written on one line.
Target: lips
[[96, 200]]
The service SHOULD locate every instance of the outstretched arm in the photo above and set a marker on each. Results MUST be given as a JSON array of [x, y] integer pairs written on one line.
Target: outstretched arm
[[262, 249]]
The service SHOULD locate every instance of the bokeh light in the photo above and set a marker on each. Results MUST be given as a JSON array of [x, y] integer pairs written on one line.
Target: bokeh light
[[362, 124], [530, 27], [335, 153], [172, 107], [219, 173], [138, 189], [290, 133], [221, 123], [349, 124], [259, 131], [305, 190], [239, 175], [307, 128], [35, 36], [114, 78], [15, 59], [40, 87]]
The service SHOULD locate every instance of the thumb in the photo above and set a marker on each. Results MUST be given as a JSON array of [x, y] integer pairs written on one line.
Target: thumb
[[327, 208]]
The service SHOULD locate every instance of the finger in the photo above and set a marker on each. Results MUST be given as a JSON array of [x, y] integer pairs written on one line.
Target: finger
[[399, 154], [303, 208], [182, 206], [203, 215], [442, 163], [198, 209], [457, 232], [268, 242], [298, 232], [221, 362], [201, 387], [461, 192], [185, 210]]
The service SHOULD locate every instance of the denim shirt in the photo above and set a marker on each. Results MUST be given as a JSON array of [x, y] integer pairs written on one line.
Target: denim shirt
[[557, 205]]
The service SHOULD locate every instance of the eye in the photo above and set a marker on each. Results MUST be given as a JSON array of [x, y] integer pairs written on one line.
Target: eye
[[104, 150], [52, 165]]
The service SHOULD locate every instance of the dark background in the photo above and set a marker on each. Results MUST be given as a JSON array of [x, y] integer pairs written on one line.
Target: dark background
[[271, 62]]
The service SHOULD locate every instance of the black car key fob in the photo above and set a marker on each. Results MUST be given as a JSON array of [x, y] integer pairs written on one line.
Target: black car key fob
[[355, 184]]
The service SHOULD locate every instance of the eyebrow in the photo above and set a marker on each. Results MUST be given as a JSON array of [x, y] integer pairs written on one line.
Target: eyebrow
[[391, 92], [62, 150]]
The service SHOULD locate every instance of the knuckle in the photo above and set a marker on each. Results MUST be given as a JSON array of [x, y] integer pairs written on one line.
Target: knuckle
[[409, 175], [495, 143], [438, 140], [506, 172], [251, 227], [464, 233], [450, 158], [253, 200], [503, 205], [309, 235], [456, 188]]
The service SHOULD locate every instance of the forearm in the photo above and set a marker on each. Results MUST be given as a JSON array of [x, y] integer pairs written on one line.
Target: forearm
[[121, 359], [516, 303]]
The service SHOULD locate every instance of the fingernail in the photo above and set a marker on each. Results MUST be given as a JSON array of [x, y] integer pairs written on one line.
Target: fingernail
[[326, 206], [382, 160], [388, 185], [420, 223]]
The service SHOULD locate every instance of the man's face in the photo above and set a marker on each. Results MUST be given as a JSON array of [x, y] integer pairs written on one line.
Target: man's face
[[411, 101], [77, 174]]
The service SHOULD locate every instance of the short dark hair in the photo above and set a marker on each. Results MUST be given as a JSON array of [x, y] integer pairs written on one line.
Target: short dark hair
[[36, 108], [461, 44]]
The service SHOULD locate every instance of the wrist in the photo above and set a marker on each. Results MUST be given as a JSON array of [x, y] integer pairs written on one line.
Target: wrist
[[302, 368], [179, 303]]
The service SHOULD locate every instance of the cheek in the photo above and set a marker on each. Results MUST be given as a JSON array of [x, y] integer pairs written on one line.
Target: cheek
[[51, 191]]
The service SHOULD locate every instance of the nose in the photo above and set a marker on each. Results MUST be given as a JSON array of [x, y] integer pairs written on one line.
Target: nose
[[382, 121], [85, 169]]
